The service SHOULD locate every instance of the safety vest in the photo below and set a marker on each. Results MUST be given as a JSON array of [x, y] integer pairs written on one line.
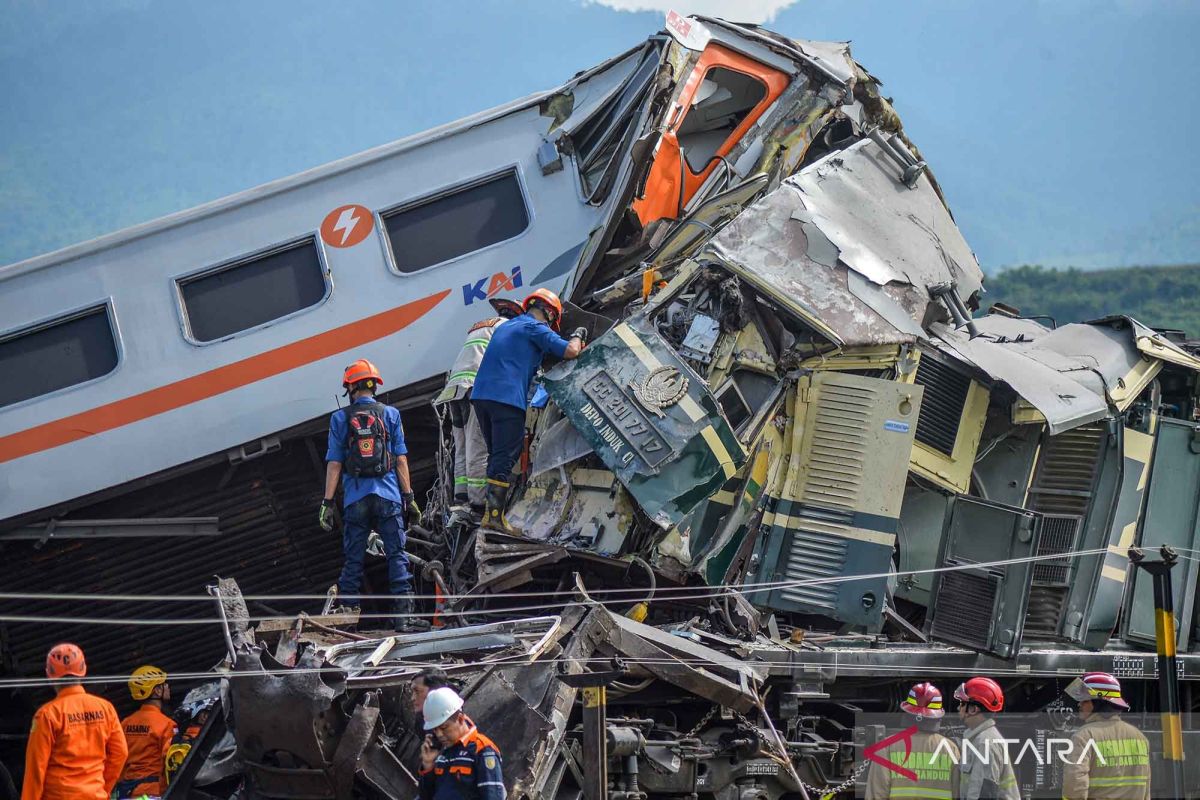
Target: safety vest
[[1109, 759], [466, 365], [934, 759]]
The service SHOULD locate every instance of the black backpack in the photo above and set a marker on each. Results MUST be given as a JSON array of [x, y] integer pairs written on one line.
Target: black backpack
[[367, 452]]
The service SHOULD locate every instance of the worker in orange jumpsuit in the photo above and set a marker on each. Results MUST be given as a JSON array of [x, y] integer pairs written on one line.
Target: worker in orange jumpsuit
[[149, 733], [76, 748]]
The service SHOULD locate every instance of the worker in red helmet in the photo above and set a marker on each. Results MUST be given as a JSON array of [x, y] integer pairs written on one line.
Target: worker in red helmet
[[1114, 756], [367, 454], [929, 754], [76, 747], [986, 768], [500, 396]]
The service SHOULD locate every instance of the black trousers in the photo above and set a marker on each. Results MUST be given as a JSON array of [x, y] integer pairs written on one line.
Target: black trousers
[[503, 428]]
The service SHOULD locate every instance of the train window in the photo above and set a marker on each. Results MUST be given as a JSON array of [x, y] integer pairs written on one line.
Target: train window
[[720, 104], [744, 395], [445, 227], [57, 354], [246, 294]]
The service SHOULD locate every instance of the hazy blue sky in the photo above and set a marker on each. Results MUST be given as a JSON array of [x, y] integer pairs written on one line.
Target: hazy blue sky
[[1062, 130]]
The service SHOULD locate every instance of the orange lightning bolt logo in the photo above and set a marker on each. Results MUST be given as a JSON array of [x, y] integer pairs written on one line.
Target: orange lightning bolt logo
[[347, 225]]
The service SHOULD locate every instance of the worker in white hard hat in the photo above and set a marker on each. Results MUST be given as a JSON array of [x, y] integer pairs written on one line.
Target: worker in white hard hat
[[468, 766]]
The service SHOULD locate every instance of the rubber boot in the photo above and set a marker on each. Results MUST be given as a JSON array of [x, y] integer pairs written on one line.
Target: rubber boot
[[493, 510], [404, 608]]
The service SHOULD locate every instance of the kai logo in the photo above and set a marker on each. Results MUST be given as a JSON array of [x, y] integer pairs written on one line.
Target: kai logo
[[498, 282]]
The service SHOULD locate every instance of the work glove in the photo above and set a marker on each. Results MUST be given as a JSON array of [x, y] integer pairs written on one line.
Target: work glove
[[412, 511], [325, 515], [580, 334]]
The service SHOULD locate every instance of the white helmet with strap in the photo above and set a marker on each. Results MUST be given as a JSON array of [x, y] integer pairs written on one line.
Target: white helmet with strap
[[440, 705]]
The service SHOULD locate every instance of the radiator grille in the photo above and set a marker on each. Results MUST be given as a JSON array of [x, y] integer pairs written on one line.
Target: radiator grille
[[1046, 605], [1067, 470], [1058, 536], [966, 607], [813, 556], [942, 406], [1062, 489], [833, 480], [833, 470]]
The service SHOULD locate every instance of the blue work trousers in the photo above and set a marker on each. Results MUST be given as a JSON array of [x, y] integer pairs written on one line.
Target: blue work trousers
[[373, 513], [503, 428]]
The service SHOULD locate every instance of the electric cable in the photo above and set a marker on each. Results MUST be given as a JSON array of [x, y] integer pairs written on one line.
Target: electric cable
[[661, 592]]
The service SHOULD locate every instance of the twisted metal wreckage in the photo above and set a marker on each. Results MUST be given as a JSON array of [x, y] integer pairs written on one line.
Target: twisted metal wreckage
[[790, 473]]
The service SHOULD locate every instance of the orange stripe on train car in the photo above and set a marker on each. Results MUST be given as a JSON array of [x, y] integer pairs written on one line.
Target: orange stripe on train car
[[216, 381]]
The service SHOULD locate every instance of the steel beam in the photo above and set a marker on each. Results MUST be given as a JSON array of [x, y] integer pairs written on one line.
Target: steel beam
[[148, 527]]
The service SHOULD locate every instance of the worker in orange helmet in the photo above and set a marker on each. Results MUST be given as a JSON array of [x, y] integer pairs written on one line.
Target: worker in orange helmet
[[500, 396], [76, 748], [149, 733], [366, 452]]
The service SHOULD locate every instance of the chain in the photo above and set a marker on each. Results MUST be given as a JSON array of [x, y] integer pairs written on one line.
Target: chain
[[704, 721], [841, 787], [814, 791]]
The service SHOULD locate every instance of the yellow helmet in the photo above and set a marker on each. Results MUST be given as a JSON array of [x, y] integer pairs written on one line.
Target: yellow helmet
[[143, 681], [176, 754]]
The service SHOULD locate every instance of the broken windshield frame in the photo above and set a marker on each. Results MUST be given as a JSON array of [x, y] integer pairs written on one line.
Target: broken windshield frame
[[597, 139]]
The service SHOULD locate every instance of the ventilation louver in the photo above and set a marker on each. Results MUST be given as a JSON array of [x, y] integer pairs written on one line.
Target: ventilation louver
[[1063, 490], [839, 510], [980, 601], [966, 607], [942, 408]]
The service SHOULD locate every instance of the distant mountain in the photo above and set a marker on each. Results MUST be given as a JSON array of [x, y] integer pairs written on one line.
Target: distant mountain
[[1059, 129], [1162, 297]]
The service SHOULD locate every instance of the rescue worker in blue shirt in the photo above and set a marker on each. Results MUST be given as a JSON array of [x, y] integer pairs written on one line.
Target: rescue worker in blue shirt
[[366, 452], [501, 392], [468, 766]]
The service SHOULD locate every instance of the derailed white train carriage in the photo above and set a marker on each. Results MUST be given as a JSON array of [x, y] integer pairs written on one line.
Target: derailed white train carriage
[[227, 323], [202, 335]]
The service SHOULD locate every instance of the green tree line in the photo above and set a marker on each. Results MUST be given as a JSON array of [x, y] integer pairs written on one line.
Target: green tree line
[[1162, 297]]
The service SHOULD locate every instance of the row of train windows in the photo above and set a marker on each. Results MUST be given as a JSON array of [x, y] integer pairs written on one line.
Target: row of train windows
[[253, 291]]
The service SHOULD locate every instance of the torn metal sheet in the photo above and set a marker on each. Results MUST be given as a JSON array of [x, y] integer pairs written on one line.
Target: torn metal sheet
[[1108, 354], [833, 57], [1151, 342], [1065, 402], [696, 667], [650, 418], [1002, 328], [767, 245], [559, 444], [885, 230], [884, 304]]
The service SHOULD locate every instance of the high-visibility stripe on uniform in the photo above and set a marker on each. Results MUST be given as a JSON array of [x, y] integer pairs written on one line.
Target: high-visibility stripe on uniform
[[1123, 780], [920, 792]]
